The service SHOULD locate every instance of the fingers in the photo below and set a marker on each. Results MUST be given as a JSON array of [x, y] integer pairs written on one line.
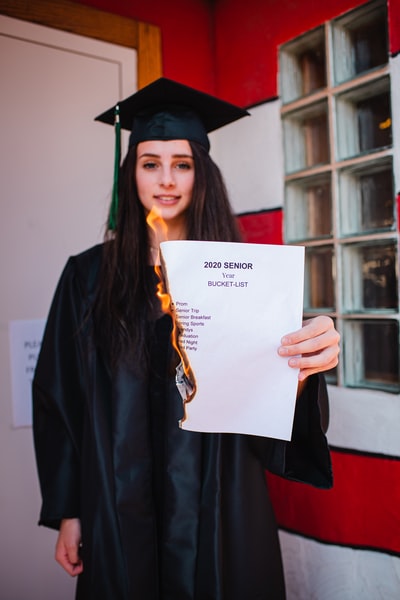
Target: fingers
[[311, 329], [324, 361], [68, 558], [313, 348], [315, 336], [67, 547], [310, 345]]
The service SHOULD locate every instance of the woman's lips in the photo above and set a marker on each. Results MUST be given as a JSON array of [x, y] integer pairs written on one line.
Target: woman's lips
[[167, 199]]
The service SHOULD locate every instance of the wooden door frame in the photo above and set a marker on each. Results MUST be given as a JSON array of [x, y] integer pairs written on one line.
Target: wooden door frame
[[94, 23]]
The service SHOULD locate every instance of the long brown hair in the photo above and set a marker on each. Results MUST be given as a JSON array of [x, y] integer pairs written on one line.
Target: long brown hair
[[126, 297]]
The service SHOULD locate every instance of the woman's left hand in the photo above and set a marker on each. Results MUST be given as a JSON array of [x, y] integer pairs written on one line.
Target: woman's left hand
[[313, 348]]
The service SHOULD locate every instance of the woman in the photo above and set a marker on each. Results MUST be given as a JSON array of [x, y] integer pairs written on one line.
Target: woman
[[144, 509]]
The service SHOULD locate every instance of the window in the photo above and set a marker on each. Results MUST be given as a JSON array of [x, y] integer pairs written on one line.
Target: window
[[339, 190]]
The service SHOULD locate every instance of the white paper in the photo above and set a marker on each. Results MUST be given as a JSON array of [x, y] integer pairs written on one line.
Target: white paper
[[25, 341], [235, 302]]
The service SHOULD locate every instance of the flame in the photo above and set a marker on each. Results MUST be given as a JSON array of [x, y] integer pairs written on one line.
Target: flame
[[155, 221]]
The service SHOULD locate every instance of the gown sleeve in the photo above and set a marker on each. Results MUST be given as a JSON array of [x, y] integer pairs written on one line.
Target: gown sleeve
[[58, 401], [306, 457]]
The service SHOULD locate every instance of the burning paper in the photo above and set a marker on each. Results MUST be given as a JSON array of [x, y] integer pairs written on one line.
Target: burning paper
[[233, 303]]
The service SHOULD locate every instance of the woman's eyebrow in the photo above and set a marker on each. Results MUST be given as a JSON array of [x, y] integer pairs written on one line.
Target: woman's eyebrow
[[154, 155]]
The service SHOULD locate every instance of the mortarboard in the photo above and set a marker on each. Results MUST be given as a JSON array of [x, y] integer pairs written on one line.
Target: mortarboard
[[170, 109], [166, 110]]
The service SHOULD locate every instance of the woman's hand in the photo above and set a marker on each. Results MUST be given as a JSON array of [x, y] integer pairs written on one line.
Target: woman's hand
[[67, 547], [313, 348]]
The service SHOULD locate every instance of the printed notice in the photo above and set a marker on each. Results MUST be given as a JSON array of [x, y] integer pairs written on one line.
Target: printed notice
[[234, 302], [25, 341]]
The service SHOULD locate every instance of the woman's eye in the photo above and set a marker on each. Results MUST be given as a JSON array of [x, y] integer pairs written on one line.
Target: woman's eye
[[183, 165], [149, 165]]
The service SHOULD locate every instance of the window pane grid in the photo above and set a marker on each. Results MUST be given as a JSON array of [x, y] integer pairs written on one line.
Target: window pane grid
[[339, 191], [366, 197], [363, 119], [371, 354]]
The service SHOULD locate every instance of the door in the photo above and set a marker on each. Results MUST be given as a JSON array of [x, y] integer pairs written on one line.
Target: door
[[56, 167]]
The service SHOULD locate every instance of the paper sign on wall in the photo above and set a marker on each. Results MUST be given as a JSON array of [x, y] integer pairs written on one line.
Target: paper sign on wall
[[25, 341], [234, 303]]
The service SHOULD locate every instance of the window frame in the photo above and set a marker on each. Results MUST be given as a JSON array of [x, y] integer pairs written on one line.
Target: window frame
[[341, 98]]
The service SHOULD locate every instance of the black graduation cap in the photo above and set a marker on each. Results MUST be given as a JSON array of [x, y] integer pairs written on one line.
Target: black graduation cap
[[166, 110]]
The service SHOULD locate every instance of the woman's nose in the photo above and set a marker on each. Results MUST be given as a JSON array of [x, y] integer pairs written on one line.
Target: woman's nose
[[167, 177]]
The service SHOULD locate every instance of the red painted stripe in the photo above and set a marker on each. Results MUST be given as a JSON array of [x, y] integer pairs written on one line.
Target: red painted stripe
[[264, 227], [259, 28], [361, 510], [398, 211], [394, 25]]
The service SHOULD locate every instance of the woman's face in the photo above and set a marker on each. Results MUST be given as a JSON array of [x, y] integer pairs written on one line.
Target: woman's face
[[165, 179]]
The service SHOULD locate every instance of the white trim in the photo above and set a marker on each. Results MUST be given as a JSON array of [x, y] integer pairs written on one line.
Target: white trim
[[395, 91], [326, 572], [364, 420]]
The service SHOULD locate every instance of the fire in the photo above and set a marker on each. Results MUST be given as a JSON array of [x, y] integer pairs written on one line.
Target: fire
[[185, 377], [155, 221]]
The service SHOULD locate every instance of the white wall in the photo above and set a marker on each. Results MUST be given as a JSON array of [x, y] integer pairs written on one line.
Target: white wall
[[395, 92], [315, 571], [249, 153], [56, 175]]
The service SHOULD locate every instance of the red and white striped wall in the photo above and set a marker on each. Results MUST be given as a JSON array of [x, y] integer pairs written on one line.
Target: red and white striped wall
[[341, 544]]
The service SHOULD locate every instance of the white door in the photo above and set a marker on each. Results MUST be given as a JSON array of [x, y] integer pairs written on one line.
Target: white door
[[56, 167]]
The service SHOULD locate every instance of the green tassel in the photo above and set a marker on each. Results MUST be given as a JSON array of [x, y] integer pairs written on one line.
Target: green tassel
[[112, 217]]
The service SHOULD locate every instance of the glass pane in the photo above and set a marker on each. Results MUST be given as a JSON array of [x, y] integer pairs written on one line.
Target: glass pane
[[377, 201], [316, 140], [331, 376], [360, 41], [309, 209], [312, 68], [302, 65], [372, 355], [381, 352], [370, 280], [318, 289], [370, 44], [366, 195], [306, 137], [374, 122], [364, 122], [379, 277]]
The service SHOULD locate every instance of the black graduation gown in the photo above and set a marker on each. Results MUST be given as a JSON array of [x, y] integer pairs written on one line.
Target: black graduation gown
[[166, 514]]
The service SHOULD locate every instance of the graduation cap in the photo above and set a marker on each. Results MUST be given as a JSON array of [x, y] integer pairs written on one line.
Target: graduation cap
[[166, 110]]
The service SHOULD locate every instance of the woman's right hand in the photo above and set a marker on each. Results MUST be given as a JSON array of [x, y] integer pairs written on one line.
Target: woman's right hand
[[67, 547]]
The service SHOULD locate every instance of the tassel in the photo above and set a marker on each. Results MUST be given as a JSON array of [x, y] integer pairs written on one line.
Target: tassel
[[112, 217]]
